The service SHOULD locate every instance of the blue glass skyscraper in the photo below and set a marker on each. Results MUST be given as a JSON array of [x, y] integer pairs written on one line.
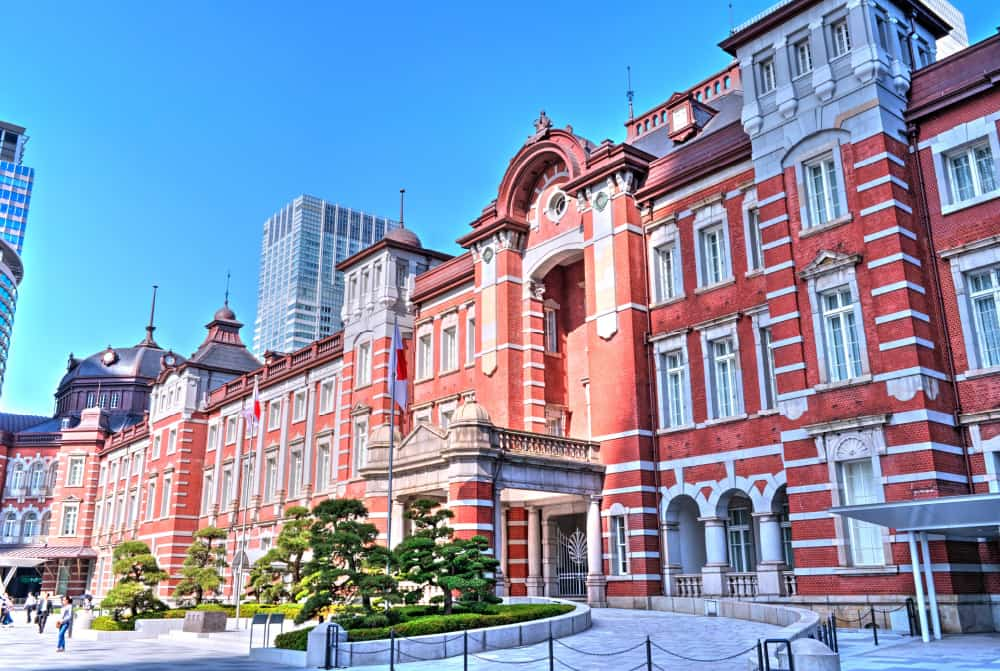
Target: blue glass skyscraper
[[15, 196]]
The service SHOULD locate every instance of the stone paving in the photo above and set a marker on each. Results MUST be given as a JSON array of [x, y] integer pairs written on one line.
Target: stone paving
[[967, 652], [22, 648]]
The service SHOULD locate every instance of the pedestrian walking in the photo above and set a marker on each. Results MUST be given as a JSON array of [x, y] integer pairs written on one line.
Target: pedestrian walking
[[44, 610], [30, 604], [6, 611], [65, 622]]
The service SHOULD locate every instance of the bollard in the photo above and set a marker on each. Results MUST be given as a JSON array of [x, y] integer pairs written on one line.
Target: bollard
[[552, 656], [465, 650], [649, 655], [326, 659], [874, 626], [392, 649]]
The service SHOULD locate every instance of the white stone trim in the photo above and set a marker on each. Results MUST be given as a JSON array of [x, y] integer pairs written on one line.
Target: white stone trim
[[903, 314], [878, 157], [892, 230], [906, 342], [892, 258], [895, 286], [885, 205]]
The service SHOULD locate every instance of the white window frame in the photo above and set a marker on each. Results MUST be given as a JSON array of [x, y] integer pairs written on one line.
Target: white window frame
[[833, 194], [470, 335], [270, 476], [172, 441], [802, 57], [296, 472], [299, 405], [974, 132], [150, 500], [767, 377], [274, 414], [422, 415], [754, 239], [766, 75], [723, 330], [618, 537], [70, 513], [425, 351], [232, 429], [855, 528], [212, 442], [844, 308], [839, 274], [75, 468], [207, 485], [666, 284], [363, 364], [359, 443], [165, 493], [664, 347], [550, 330], [323, 471], [968, 260], [449, 343], [327, 395], [840, 38], [446, 411], [226, 489], [712, 218]]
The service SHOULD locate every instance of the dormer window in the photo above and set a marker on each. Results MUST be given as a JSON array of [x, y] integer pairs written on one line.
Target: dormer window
[[679, 118]]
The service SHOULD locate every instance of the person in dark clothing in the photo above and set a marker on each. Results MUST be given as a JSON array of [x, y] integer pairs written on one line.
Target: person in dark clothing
[[44, 609]]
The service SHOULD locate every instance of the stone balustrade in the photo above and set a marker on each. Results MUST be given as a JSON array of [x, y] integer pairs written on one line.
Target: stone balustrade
[[742, 585], [688, 585], [544, 445]]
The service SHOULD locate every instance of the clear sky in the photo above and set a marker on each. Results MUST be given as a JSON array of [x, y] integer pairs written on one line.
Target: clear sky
[[163, 133]]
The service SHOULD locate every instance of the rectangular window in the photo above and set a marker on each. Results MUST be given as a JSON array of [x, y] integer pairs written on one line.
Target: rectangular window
[[213, 437], [227, 486], [859, 487], [754, 242], [299, 406], [74, 472], [150, 500], [882, 30], [70, 514], [984, 293], [924, 55], [769, 399], [971, 172], [470, 340], [449, 348], [245, 483], [767, 81], [230, 429], [359, 444], [551, 330], [165, 497], [326, 396], [555, 425], [206, 492], [803, 58], [425, 356], [102, 478], [841, 38], [714, 255], [843, 351], [322, 467], [619, 545], [115, 399], [132, 508], [295, 474], [363, 365], [725, 381], [664, 272], [445, 414], [274, 415], [673, 383], [739, 528], [786, 535], [270, 477], [904, 49], [822, 190], [172, 441]]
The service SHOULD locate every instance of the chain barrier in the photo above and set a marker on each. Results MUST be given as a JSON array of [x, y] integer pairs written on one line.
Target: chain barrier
[[415, 640], [703, 661], [508, 661], [885, 611], [600, 654]]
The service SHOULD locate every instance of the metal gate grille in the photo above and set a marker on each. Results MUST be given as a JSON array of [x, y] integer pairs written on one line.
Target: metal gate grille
[[571, 563]]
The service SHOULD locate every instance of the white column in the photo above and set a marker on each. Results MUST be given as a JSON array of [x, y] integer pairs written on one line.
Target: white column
[[918, 586], [548, 559], [500, 545], [931, 589], [534, 582], [713, 574], [596, 582], [772, 558]]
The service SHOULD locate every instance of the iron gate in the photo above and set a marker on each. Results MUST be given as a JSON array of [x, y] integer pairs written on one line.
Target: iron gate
[[571, 563]]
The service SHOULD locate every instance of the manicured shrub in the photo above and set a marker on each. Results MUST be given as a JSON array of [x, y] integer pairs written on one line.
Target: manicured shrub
[[108, 623], [293, 640], [441, 624]]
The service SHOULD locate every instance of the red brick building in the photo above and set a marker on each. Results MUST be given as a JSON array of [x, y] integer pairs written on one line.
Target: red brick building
[[657, 364]]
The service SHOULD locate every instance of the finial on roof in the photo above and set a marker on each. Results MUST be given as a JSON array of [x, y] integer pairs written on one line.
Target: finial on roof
[[402, 193], [543, 122], [629, 93], [148, 341], [226, 302]]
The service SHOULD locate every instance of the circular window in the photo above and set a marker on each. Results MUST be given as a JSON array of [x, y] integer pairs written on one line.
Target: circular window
[[558, 205]]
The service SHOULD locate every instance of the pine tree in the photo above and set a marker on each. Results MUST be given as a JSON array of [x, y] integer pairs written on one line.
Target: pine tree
[[137, 575], [277, 576], [200, 571]]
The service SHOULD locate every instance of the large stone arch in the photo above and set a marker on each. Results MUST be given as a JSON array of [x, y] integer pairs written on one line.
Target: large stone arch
[[546, 148]]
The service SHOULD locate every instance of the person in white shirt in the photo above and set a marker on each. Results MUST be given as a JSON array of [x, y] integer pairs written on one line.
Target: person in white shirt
[[29, 605]]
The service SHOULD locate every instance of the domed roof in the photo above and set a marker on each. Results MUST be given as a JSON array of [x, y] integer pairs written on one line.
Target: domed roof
[[380, 435], [225, 313], [122, 362], [403, 236], [472, 413]]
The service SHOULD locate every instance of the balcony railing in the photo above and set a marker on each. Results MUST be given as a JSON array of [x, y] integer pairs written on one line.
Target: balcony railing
[[688, 585], [788, 580], [742, 585], [544, 445]]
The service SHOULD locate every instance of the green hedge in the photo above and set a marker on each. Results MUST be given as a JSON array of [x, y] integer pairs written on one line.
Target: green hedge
[[108, 623], [293, 640], [442, 624]]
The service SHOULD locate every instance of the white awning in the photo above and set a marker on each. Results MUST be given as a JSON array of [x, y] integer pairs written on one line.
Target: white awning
[[19, 562], [967, 516]]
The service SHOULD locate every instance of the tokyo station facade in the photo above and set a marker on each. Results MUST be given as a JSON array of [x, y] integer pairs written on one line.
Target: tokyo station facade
[[652, 372]]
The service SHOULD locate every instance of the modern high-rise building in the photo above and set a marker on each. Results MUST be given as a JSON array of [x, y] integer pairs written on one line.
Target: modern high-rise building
[[300, 292], [15, 196]]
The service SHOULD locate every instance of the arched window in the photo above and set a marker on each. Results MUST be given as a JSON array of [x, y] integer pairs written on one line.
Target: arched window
[[10, 525], [43, 527], [37, 480], [742, 554], [29, 527], [17, 477], [53, 471]]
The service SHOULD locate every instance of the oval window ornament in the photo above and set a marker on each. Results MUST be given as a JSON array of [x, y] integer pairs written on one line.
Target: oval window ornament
[[601, 201], [488, 254]]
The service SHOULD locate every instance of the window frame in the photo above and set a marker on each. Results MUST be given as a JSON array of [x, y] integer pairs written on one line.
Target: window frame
[[363, 364], [172, 441], [618, 543], [975, 132], [73, 507], [802, 57], [449, 347], [828, 277], [725, 330], [470, 336], [675, 345], [711, 219], [752, 235], [274, 414], [842, 313], [833, 194], [323, 479], [976, 176], [767, 75], [327, 395], [659, 235], [300, 405], [75, 471], [550, 329], [165, 494], [425, 352], [840, 47], [359, 443]]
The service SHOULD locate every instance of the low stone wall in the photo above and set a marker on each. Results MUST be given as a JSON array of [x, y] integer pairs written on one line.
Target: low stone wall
[[439, 646]]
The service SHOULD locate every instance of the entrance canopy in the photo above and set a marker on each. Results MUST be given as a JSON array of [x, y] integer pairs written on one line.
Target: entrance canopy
[[969, 516]]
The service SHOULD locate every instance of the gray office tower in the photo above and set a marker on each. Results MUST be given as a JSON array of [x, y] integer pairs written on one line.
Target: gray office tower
[[299, 292]]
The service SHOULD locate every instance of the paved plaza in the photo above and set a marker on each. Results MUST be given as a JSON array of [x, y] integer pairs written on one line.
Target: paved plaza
[[696, 638]]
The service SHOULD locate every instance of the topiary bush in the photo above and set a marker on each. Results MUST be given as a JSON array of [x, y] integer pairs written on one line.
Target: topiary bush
[[442, 624], [293, 640], [108, 623]]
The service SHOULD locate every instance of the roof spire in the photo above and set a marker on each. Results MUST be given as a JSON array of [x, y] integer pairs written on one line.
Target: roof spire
[[226, 301], [148, 341], [629, 93], [402, 194]]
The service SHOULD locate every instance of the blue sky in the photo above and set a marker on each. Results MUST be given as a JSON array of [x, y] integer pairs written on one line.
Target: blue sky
[[164, 133]]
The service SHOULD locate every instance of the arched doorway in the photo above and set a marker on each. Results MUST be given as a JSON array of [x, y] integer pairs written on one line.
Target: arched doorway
[[685, 545]]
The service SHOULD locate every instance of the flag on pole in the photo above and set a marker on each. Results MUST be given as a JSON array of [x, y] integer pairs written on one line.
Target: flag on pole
[[397, 363], [251, 415]]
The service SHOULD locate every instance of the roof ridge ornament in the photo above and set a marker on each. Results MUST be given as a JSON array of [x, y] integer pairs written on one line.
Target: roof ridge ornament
[[543, 124]]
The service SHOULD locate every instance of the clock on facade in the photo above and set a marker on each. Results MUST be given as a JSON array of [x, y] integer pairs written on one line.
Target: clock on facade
[[110, 357]]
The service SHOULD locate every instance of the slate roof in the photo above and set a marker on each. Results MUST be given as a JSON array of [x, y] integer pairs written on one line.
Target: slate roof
[[728, 109], [13, 423], [139, 361]]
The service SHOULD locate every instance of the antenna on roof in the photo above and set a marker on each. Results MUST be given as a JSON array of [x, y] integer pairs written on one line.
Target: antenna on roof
[[226, 301], [731, 24], [629, 93], [152, 313], [402, 193]]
